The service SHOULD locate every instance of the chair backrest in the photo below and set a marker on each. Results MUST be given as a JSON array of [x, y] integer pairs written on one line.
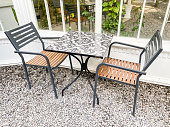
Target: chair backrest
[[71, 8], [152, 49], [23, 35], [56, 3]]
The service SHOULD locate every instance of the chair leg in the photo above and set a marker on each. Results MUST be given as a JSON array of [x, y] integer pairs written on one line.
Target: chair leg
[[69, 20], [46, 70], [71, 65], [52, 81], [135, 97], [89, 25], [95, 87], [26, 75]]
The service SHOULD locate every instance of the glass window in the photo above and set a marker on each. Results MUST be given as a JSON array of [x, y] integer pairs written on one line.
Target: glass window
[[41, 15], [153, 19], [9, 21], [70, 12], [110, 16], [131, 18], [55, 15], [87, 12]]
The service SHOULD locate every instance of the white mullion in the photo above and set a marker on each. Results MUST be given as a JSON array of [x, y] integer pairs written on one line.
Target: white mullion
[[1, 26], [165, 18], [48, 14], [120, 18], [78, 13], [62, 14], [98, 16], [141, 19], [18, 9], [35, 21]]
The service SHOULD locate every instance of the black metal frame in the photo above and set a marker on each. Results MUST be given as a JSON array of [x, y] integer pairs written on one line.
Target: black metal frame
[[72, 8], [155, 48], [23, 35]]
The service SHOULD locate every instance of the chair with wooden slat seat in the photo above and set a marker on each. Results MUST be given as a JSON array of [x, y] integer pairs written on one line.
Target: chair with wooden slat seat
[[23, 35], [72, 9], [127, 72]]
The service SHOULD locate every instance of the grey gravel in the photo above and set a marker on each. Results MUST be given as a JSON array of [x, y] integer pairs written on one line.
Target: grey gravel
[[21, 107]]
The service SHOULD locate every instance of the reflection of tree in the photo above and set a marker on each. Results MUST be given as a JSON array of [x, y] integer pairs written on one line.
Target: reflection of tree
[[156, 3]]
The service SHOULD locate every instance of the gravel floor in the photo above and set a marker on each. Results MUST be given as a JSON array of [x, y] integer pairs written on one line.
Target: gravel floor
[[21, 107]]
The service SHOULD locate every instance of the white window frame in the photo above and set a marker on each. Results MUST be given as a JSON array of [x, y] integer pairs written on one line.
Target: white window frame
[[25, 12]]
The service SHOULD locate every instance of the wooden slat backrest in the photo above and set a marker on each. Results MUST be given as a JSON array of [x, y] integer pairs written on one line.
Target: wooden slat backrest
[[71, 8], [152, 49], [22, 35], [56, 3]]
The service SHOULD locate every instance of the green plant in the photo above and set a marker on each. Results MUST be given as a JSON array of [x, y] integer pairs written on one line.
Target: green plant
[[112, 8], [68, 29], [13, 10], [87, 15], [138, 17], [156, 3]]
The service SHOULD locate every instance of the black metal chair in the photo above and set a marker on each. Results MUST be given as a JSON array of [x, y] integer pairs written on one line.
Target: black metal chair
[[56, 4], [23, 35], [127, 72], [72, 9]]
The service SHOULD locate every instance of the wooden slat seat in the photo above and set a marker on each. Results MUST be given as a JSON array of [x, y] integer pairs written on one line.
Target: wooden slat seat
[[81, 19], [54, 58], [119, 74]]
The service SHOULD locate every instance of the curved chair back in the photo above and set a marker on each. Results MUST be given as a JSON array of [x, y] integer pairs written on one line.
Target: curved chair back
[[56, 3], [153, 49], [23, 35], [71, 8]]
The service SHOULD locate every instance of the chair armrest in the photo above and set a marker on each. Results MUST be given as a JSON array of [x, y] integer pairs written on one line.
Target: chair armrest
[[49, 37], [34, 53], [41, 38], [134, 46], [119, 67]]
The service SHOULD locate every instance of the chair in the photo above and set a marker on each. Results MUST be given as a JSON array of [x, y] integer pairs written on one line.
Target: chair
[[56, 4], [23, 35], [127, 72], [72, 9]]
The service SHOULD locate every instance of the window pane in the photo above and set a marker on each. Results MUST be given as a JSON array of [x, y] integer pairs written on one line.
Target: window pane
[[87, 12], [110, 16], [8, 18], [41, 14], [131, 18], [166, 32], [153, 18], [71, 19], [55, 14]]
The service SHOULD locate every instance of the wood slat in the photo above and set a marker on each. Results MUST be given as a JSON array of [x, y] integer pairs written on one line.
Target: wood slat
[[54, 58], [133, 74], [119, 74], [129, 73], [125, 75], [111, 70], [115, 69], [101, 69], [108, 68], [119, 70], [122, 71]]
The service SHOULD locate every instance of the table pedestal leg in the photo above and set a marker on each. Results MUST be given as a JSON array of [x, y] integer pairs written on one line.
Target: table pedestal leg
[[83, 68]]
